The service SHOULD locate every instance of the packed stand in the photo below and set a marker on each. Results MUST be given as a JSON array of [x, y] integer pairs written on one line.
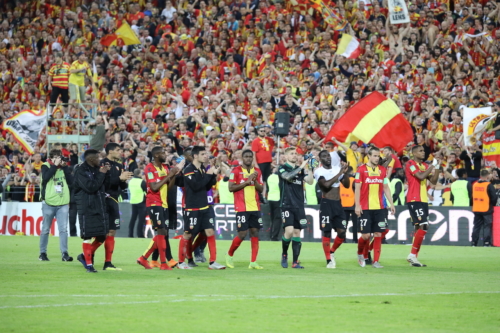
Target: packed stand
[[215, 74]]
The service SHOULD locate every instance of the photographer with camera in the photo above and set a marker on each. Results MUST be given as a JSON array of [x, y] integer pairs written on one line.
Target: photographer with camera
[[55, 195]]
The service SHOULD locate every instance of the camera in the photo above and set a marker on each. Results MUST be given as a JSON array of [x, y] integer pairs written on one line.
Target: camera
[[65, 159]]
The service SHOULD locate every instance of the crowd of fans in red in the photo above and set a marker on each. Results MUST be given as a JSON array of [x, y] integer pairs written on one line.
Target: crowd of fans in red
[[213, 72]]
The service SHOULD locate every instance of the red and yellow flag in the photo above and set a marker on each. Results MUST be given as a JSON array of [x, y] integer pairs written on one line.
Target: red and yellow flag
[[491, 149], [374, 119], [331, 17], [124, 35]]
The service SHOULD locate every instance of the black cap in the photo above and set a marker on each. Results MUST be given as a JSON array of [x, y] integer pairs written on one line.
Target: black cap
[[497, 103]]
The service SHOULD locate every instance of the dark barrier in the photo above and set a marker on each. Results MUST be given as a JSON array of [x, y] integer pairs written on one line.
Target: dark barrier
[[448, 225]]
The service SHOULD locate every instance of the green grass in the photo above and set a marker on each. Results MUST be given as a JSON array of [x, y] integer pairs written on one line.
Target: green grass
[[458, 292]]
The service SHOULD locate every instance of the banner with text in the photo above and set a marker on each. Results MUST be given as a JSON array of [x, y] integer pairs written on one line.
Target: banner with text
[[448, 225]]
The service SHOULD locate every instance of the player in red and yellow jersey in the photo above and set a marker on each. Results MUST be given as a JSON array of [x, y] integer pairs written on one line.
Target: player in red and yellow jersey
[[158, 176], [246, 182], [371, 184], [417, 174]]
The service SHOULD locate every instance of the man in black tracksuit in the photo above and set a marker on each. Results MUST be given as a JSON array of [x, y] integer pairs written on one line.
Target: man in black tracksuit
[[115, 183], [90, 198], [198, 214]]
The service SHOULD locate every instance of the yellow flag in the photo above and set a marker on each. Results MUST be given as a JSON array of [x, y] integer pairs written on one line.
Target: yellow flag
[[128, 35]]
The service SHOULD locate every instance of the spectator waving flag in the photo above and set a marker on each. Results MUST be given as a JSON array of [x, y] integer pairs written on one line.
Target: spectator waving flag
[[333, 19], [124, 35], [26, 127], [349, 47], [374, 119]]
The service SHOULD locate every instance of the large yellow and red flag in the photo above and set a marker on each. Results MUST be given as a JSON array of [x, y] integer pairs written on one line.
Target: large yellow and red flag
[[374, 119], [26, 127], [124, 35]]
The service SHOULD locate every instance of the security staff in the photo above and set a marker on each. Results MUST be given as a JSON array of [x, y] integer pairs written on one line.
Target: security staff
[[54, 194], [137, 189], [347, 201], [484, 198], [397, 188], [461, 190], [273, 197]]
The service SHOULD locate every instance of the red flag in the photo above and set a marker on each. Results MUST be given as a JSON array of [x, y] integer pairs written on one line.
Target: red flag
[[374, 119]]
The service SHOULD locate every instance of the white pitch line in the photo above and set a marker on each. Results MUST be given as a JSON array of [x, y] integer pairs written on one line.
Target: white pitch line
[[216, 298]]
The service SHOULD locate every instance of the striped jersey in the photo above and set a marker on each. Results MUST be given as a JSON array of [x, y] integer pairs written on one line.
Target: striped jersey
[[417, 189], [372, 186], [246, 199], [60, 75], [155, 175]]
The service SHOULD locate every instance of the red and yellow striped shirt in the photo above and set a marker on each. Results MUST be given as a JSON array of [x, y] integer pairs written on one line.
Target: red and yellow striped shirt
[[60, 75]]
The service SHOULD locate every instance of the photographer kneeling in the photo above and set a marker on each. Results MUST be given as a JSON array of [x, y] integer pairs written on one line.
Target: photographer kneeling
[[54, 194]]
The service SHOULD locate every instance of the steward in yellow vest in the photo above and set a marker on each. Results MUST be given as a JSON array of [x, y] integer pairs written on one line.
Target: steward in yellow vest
[[461, 190]]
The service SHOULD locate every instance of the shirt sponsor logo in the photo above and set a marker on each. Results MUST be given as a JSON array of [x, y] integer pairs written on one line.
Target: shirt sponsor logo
[[374, 181]]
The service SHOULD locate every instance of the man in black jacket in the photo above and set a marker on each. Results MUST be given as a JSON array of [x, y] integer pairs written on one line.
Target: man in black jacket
[[472, 158], [91, 205], [484, 197], [115, 183]]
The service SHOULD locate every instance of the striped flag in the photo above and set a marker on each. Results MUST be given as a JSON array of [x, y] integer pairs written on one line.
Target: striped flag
[[348, 47], [374, 119], [491, 149], [26, 127]]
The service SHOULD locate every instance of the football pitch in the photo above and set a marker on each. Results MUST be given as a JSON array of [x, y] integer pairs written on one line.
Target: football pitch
[[459, 291]]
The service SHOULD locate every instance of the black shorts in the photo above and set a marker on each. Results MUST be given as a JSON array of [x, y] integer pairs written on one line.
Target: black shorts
[[196, 221], [56, 92], [266, 170], [172, 218], [113, 213], [295, 217], [331, 215], [373, 221], [248, 220], [419, 212], [159, 217]]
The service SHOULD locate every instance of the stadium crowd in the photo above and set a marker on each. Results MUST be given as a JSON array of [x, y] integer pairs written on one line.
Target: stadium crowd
[[216, 73]]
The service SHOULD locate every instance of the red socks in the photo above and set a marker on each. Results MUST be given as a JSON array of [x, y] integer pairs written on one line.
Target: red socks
[[212, 248], [377, 248], [109, 246], [361, 245], [95, 245], [189, 248], [182, 249], [383, 235], [326, 247], [367, 248], [87, 252], [336, 243], [255, 247], [161, 244], [152, 247], [234, 245], [200, 239], [417, 241]]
